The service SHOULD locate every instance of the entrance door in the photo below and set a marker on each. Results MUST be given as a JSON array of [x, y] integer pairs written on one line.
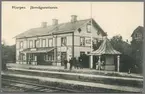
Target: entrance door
[[63, 57], [40, 59]]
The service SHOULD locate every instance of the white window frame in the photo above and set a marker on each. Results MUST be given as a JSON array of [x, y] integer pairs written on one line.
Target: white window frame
[[50, 42], [43, 42], [82, 39], [21, 44], [88, 28], [30, 43], [63, 41], [37, 43]]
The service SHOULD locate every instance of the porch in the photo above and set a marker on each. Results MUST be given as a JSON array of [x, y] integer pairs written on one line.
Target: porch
[[37, 56]]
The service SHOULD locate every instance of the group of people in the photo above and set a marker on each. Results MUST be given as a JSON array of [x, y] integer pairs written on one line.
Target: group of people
[[100, 66], [73, 62]]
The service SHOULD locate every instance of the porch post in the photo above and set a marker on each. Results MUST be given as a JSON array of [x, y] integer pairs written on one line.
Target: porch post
[[73, 45], [55, 50], [118, 63], [99, 61], [35, 59], [26, 58], [91, 61]]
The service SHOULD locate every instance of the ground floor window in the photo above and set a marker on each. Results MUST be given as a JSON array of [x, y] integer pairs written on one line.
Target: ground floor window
[[21, 56], [82, 53], [88, 52], [31, 57], [49, 57]]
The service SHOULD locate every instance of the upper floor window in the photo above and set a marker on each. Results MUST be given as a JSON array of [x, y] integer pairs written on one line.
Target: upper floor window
[[82, 41], [21, 44], [138, 35], [50, 43], [30, 44], [37, 43], [63, 41], [95, 40], [44, 43], [89, 28]]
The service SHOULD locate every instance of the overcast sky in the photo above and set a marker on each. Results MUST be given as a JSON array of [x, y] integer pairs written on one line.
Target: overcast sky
[[114, 17]]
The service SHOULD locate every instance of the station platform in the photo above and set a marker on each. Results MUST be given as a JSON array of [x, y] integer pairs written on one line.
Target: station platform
[[88, 79], [72, 83], [84, 70]]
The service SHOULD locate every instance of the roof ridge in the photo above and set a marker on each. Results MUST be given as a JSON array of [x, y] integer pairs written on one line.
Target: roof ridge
[[72, 22]]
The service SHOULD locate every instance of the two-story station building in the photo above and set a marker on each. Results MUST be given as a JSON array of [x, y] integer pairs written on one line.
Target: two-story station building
[[53, 43]]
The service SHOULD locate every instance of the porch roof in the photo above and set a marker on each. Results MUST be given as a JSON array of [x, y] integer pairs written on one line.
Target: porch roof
[[38, 50], [105, 48]]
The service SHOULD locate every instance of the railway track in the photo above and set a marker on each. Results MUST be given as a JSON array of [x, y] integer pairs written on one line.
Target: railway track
[[32, 87]]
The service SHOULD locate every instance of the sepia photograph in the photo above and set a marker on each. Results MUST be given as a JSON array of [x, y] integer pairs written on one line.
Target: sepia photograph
[[72, 47]]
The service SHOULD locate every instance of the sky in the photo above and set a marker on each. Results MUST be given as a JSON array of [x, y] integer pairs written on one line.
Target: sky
[[113, 17]]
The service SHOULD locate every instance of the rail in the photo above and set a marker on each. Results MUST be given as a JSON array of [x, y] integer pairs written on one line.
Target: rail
[[41, 87]]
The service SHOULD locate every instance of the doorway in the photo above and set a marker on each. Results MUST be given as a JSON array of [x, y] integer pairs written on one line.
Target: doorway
[[40, 59]]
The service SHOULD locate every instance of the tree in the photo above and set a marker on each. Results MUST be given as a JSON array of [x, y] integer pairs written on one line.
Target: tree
[[8, 53], [137, 53], [120, 45], [127, 61]]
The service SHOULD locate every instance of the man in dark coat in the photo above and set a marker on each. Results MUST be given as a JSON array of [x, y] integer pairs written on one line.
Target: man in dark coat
[[65, 64], [71, 63]]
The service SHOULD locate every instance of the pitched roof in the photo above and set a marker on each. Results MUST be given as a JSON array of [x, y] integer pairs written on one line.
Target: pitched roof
[[138, 29], [105, 48], [56, 29]]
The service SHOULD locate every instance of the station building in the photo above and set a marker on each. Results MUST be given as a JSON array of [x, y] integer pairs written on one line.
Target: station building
[[50, 44]]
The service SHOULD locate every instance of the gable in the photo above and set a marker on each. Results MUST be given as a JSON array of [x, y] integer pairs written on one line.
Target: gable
[[139, 29], [96, 30]]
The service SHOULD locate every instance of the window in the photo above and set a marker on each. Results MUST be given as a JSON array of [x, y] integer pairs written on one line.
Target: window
[[37, 43], [21, 44], [44, 43], [32, 57], [88, 52], [89, 28], [82, 53], [50, 43], [95, 41], [30, 44], [20, 56], [48, 57], [63, 41], [82, 41], [98, 32], [138, 35]]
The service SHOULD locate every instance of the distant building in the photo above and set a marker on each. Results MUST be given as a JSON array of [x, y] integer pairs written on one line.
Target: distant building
[[138, 34], [137, 46], [54, 43]]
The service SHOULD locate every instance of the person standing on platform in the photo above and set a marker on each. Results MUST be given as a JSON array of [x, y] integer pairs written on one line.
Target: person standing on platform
[[71, 63], [65, 64]]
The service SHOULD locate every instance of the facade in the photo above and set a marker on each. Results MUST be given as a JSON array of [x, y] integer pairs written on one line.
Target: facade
[[54, 43]]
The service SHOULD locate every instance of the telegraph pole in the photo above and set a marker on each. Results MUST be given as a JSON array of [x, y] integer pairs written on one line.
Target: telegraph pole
[[91, 57]]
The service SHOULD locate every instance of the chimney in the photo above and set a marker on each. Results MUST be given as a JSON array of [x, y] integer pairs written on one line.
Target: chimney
[[54, 21], [44, 24], [73, 18]]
